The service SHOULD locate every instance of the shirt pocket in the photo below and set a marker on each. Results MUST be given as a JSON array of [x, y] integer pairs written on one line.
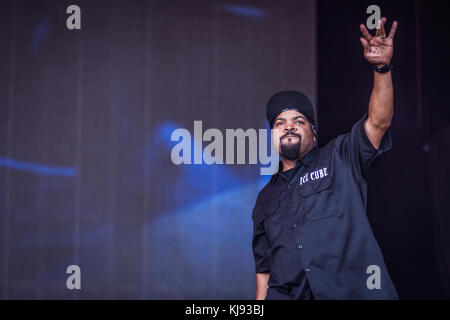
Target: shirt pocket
[[317, 200]]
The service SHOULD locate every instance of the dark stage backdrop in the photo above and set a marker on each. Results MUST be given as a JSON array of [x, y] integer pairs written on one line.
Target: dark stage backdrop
[[408, 200], [86, 118]]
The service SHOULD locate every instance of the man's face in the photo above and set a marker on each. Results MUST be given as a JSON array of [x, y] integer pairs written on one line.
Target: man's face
[[292, 135]]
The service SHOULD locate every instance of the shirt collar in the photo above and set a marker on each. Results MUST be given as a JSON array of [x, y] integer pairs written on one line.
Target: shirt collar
[[309, 157], [305, 160]]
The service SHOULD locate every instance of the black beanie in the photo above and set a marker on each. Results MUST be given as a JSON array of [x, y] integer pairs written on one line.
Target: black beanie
[[288, 100]]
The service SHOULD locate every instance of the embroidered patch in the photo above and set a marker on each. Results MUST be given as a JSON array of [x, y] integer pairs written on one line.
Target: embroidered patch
[[314, 175]]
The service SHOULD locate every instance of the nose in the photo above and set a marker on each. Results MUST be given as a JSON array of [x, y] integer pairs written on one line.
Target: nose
[[290, 127]]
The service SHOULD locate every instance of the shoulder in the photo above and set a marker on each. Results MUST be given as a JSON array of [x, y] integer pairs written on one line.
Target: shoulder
[[333, 145]]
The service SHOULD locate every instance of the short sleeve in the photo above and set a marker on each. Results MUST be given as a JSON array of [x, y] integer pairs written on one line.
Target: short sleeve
[[261, 246], [357, 151]]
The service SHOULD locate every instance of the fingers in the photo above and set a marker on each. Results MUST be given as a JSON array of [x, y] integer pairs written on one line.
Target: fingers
[[393, 29], [365, 45], [365, 33], [382, 23], [380, 31]]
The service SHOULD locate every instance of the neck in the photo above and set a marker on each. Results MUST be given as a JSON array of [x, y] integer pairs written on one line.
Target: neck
[[289, 164]]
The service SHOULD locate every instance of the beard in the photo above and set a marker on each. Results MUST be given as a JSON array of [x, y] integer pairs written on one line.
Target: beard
[[291, 151]]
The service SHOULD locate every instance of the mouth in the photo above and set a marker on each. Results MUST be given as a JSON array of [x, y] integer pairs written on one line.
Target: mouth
[[291, 136]]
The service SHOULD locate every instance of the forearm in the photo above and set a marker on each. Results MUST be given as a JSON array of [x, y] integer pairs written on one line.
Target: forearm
[[262, 280], [381, 104]]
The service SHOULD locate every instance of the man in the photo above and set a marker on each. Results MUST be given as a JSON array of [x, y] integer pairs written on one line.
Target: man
[[311, 236]]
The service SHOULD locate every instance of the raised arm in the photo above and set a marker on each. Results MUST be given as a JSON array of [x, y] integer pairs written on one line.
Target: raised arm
[[378, 51]]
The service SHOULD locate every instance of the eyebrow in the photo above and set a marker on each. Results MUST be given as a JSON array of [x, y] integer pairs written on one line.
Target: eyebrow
[[284, 119]]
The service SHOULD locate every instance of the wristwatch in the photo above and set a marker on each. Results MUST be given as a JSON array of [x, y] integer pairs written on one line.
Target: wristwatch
[[383, 69]]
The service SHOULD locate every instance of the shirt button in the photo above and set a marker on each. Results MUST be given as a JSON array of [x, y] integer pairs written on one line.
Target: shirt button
[[294, 225], [300, 246]]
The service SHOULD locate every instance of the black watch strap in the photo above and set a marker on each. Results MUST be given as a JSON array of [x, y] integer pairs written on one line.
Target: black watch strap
[[383, 69]]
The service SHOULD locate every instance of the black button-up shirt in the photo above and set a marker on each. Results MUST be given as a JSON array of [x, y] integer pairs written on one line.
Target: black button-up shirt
[[310, 228]]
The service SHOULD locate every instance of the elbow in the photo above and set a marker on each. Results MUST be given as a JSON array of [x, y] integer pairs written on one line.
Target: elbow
[[384, 125], [381, 124]]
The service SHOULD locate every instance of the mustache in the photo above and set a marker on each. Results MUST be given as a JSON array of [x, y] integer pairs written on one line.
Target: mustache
[[289, 133]]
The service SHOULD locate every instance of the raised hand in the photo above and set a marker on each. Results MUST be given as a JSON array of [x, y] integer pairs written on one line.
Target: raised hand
[[378, 49]]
